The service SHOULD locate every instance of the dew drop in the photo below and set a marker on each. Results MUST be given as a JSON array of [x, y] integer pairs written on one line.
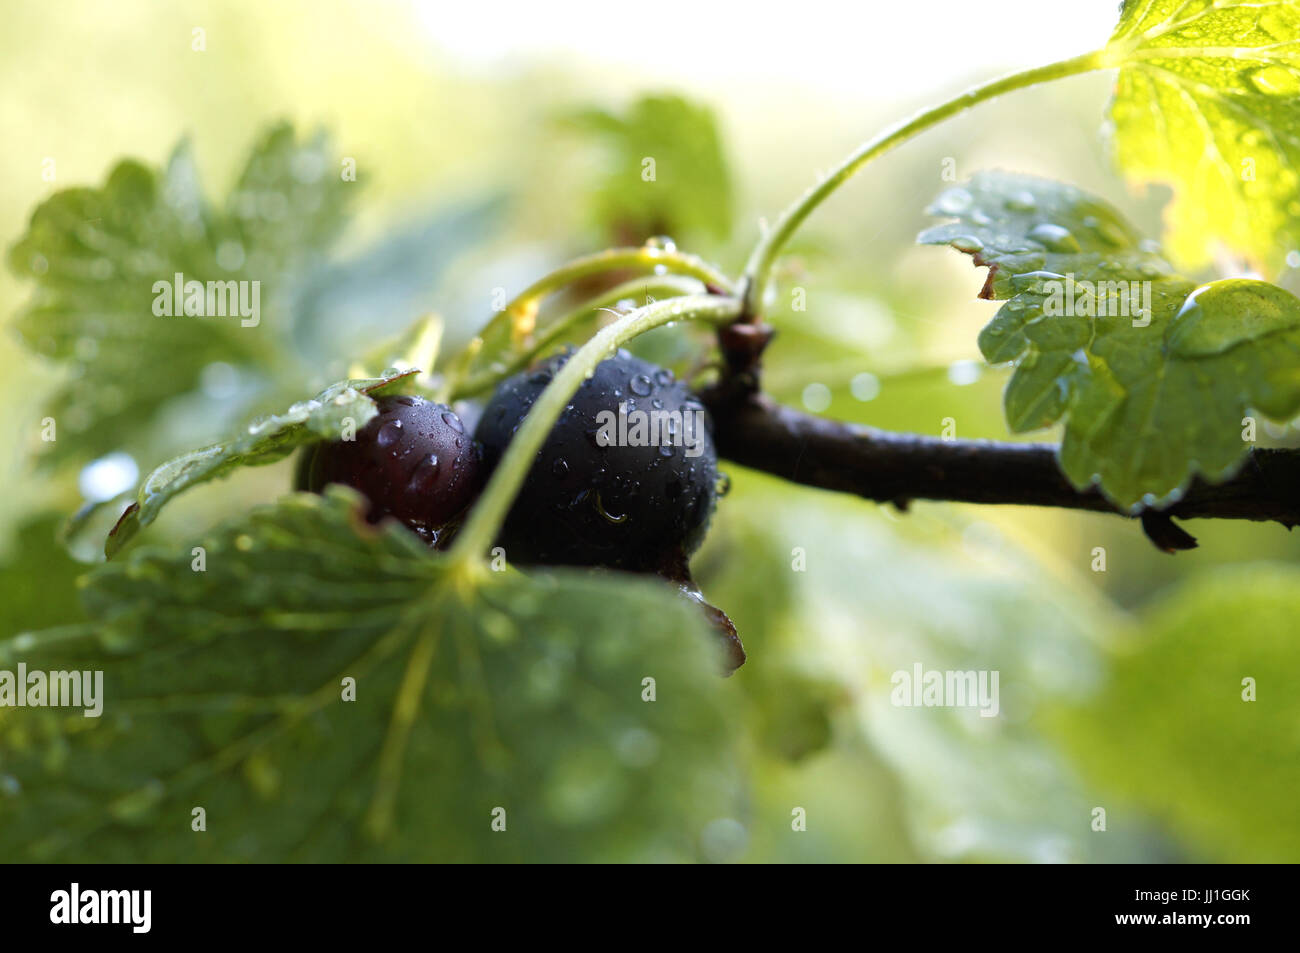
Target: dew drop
[[640, 385], [1055, 238], [452, 421], [424, 476], [967, 243], [954, 202], [1034, 280], [560, 467], [1275, 80], [605, 514], [389, 433], [1022, 201]]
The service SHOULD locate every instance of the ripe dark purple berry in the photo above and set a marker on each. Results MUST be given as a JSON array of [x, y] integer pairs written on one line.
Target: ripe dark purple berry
[[627, 478], [413, 461]]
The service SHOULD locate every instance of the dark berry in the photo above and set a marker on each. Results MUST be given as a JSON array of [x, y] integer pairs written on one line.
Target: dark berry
[[627, 478], [413, 461], [634, 494]]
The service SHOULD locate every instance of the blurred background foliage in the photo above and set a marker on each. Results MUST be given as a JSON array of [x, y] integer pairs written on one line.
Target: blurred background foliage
[[1120, 689]]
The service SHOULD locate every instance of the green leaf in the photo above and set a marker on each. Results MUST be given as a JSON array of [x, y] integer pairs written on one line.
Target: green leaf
[[1152, 374], [224, 689], [1171, 734], [96, 254], [34, 567], [690, 191], [1206, 102], [344, 406]]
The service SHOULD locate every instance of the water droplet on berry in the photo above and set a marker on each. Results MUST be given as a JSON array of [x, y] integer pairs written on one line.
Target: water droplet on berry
[[639, 385], [600, 508], [452, 421], [389, 433], [425, 475], [560, 467]]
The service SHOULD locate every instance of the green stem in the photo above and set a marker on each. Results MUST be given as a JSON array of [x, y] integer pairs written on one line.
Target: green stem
[[644, 258], [668, 285], [759, 268], [488, 514]]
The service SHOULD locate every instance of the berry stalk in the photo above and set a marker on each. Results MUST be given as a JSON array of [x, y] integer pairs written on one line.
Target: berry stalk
[[489, 513], [523, 307], [758, 270], [666, 285]]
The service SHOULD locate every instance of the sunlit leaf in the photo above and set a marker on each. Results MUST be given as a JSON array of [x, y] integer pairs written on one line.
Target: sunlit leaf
[[1208, 101], [1151, 374]]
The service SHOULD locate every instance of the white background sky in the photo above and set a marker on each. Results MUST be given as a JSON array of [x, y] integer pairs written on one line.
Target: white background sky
[[876, 48]]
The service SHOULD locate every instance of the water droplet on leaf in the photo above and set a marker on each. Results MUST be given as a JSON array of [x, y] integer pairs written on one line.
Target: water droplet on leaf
[[1055, 238]]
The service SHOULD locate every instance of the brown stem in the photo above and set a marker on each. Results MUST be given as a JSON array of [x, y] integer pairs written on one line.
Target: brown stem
[[754, 431]]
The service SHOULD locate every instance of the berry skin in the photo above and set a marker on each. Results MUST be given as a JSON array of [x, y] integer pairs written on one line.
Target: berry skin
[[413, 461], [633, 507]]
